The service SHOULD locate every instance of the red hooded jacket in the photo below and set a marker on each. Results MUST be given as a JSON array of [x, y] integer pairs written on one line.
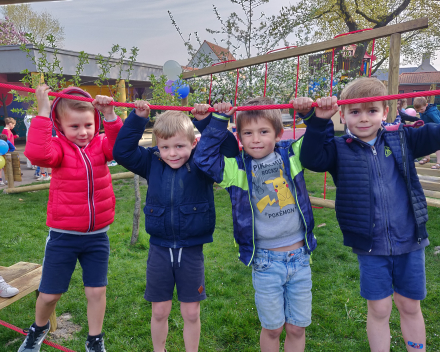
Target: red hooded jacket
[[81, 195]]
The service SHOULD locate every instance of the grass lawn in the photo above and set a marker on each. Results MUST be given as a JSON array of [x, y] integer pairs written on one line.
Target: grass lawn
[[229, 318]]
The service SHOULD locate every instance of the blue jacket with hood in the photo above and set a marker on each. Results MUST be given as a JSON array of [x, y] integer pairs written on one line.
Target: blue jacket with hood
[[380, 204], [431, 114], [235, 175], [179, 207]]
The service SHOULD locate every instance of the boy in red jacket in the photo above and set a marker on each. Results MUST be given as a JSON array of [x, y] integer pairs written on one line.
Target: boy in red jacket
[[9, 125], [81, 204]]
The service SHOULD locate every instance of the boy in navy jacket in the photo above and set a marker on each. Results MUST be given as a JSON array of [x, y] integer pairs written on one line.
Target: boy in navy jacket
[[380, 205], [179, 215]]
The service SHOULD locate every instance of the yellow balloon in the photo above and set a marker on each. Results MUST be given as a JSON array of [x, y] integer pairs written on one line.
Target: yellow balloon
[[2, 162]]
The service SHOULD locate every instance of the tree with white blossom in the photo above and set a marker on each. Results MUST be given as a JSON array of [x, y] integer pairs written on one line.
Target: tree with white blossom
[[9, 35]]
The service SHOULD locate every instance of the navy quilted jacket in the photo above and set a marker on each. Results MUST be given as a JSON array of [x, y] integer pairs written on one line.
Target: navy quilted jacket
[[380, 205]]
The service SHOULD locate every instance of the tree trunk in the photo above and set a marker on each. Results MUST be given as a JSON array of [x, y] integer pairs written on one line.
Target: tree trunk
[[3, 100], [358, 57], [137, 211]]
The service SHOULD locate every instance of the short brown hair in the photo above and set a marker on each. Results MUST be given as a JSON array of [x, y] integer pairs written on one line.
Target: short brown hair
[[172, 122], [364, 87], [3, 137], [10, 120], [272, 115], [418, 102], [77, 105]]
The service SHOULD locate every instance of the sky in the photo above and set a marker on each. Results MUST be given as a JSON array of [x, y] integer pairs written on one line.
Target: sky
[[94, 26]]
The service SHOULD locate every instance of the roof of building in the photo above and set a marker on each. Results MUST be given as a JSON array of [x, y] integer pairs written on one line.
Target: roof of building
[[382, 73], [419, 78], [222, 53]]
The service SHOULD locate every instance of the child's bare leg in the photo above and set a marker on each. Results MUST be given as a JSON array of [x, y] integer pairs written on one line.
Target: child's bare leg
[[96, 301], [295, 338], [46, 304], [270, 340], [159, 324], [378, 327], [411, 321], [191, 327]]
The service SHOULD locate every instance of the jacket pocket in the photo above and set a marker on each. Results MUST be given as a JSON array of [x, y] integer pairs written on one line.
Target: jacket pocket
[[194, 220], [154, 220]]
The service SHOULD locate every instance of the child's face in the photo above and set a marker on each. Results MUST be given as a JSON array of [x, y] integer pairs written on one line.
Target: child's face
[[258, 138], [10, 125], [364, 122], [422, 109], [176, 150], [78, 126]]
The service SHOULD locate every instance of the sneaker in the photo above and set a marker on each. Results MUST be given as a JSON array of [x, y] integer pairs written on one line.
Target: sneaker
[[41, 178], [7, 290], [47, 178], [2, 183], [34, 339], [37, 175], [112, 163], [96, 345]]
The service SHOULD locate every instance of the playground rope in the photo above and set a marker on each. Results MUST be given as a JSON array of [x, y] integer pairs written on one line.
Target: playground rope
[[239, 108], [54, 345]]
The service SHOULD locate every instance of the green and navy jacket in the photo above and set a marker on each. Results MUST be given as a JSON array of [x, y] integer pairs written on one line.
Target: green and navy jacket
[[234, 174]]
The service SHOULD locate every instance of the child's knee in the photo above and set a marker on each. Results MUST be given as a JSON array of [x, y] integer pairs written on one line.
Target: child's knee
[[161, 310], [190, 311], [296, 331], [273, 334], [95, 293], [48, 299], [406, 305], [380, 309]]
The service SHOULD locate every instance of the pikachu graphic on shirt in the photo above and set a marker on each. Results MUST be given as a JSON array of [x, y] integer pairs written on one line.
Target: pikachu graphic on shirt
[[284, 194]]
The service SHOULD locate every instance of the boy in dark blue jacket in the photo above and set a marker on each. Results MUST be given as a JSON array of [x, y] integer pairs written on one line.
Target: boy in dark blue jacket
[[429, 114], [179, 215], [380, 205]]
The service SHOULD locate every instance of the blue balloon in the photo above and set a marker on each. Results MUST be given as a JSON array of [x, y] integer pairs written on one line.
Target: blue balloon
[[4, 147], [180, 89]]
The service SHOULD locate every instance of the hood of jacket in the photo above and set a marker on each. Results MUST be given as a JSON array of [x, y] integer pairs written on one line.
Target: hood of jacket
[[53, 114]]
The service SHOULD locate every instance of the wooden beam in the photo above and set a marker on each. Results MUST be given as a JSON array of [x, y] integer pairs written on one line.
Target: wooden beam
[[313, 48], [321, 202], [15, 2], [393, 74]]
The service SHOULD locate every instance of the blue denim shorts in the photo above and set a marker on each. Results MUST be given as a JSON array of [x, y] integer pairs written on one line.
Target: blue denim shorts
[[180, 267], [283, 287], [382, 275], [60, 257]]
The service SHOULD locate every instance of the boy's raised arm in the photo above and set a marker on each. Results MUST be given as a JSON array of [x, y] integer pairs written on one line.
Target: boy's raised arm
[[127, 151], [41, 148], [207, 155], [318, 152]]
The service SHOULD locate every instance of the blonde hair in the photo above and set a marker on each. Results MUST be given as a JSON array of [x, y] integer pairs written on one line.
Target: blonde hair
[[364, 87], [9, 120], [273, 116], [69, 104], [169, 123], [418, 102]]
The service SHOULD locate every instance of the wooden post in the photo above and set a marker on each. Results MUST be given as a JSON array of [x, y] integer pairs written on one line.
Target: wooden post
[[9, 173], [122, 96], [431, 99], [16, 169], [393, 74]]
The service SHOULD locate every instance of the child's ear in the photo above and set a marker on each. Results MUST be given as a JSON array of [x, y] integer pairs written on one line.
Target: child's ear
[[341, 114], [385, 113], [194, 143], [280, 135]]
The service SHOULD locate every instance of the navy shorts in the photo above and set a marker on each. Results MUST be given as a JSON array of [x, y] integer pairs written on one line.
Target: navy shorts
[[382, 275], [182, 267], [60, 256]]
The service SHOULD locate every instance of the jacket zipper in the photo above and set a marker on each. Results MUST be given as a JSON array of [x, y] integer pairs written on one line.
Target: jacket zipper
[[90, 189], [172, 208], [252, 210], [386, 218]]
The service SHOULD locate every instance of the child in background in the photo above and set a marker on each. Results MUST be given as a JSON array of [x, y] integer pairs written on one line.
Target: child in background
[[81, 204], [380, 205], [9, 125], [272, 216], [179, 215], [429, 114], [11, 149]]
